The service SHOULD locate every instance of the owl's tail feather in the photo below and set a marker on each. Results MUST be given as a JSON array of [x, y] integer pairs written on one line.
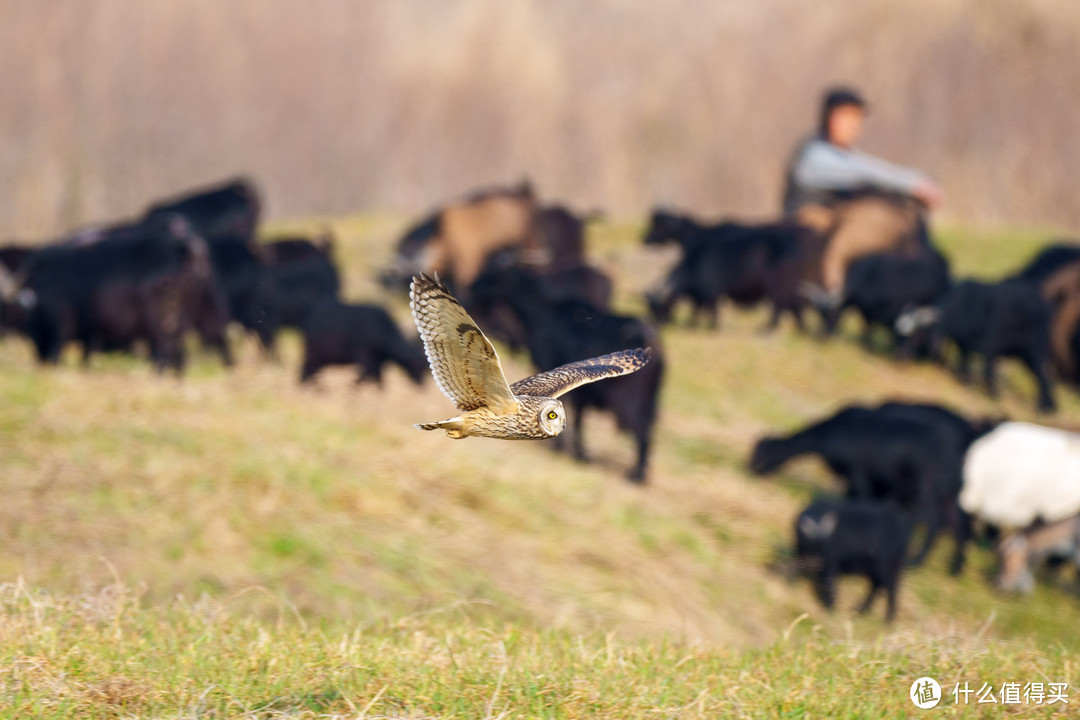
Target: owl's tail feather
[[451, 426]]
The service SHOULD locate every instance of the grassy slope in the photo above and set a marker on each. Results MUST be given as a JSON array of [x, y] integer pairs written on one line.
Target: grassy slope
[[412, 561]]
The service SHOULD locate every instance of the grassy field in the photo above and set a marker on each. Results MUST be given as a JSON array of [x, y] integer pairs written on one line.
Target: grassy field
[[233, 545]]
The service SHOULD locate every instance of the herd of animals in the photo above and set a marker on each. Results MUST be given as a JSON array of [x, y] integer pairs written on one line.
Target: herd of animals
[[192, 264]]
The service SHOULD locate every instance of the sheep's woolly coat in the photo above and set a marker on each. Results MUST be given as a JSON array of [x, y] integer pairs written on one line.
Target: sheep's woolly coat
[[1020, 472]]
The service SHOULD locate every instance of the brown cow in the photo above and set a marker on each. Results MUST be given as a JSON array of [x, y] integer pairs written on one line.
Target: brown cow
[[865, 225], [1062, 291], [457, 240]]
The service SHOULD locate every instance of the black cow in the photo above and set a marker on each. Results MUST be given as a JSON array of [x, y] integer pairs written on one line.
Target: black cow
[[560, 332], [854, 537], [1005, 319], [363, 335]]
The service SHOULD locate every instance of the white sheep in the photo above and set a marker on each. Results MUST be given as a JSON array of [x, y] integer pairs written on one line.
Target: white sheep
[[1019, 473]]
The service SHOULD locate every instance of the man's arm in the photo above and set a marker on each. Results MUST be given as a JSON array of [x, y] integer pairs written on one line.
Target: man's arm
[[826, 167]]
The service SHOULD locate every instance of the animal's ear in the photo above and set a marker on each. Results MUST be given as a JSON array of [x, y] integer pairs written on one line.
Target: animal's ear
[[828, 524], [807, 526]]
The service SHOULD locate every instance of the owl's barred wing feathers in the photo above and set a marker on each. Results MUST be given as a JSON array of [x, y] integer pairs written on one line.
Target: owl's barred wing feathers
[[565, 378], [463, 362]]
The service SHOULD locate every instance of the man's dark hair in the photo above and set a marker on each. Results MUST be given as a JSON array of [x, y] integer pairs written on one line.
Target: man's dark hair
[[834, 98]]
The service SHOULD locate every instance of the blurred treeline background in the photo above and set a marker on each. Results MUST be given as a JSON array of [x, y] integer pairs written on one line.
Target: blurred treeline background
[[352, 105]]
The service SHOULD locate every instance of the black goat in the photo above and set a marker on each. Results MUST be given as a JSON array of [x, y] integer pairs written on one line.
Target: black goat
[[565, 331], [1048, 261], [744, 263], [854, 537], [1004, 319], [882, 287], [363, 335], [886, 454], [285, 293]]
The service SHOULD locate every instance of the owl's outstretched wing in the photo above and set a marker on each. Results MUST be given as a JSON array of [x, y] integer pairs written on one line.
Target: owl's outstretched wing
[[465, 365], [565, 378]]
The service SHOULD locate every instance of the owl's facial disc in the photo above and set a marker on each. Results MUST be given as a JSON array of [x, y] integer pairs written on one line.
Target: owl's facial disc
[[552, 418]]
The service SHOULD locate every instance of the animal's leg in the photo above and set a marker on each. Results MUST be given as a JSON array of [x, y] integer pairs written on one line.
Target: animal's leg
[[714, 314], [579, 436], [932, 513], [369, 370], [308, 369], [962, 534], [637, 474], [890, 594], [797, 313], [828, 585], [774, 319], [864, 607], [990, 374], [1037, 365], [963, 366]]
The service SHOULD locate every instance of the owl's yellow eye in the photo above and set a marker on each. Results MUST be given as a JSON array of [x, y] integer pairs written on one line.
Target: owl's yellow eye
[[552, 415]]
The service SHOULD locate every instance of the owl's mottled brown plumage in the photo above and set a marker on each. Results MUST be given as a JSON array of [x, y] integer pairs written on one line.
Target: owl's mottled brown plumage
[[467, 369]]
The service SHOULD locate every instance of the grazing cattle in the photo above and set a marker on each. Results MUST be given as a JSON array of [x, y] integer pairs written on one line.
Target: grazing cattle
[[887, 454], [1022, 552], [854, 537], [1021, 473], [561, 332], [363, 335], [229, 210], [456, 241], [1005, 319], [744, 263], [148, 281], [882, 287]]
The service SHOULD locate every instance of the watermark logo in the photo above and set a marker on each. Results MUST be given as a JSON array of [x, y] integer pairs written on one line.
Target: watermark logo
[[925, 693]]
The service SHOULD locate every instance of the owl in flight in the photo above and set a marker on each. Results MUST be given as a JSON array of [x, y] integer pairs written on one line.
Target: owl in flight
[[466, 368]]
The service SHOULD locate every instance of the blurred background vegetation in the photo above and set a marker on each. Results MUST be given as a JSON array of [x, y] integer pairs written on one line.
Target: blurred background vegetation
[[342, 106]]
